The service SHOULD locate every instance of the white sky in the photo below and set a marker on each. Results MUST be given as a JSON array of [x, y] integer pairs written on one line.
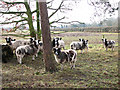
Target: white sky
[[81, 11]]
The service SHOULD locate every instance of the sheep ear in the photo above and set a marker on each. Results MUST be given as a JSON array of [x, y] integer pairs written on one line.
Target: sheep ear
[[38, 41], [83, 40], [87, 40], [30, 38], [60, 38]]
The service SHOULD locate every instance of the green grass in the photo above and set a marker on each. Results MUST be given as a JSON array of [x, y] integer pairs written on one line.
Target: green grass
[[57, 32], [94, 69]]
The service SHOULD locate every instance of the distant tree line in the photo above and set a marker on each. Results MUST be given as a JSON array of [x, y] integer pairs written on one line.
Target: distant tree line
[[106, 22]]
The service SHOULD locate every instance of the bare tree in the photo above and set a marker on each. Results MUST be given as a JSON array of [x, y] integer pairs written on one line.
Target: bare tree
[[47, 47], [103, 8], [7, 5], [5, 9]]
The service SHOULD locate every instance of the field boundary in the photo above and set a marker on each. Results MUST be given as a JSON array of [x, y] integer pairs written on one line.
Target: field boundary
[[90, 29]]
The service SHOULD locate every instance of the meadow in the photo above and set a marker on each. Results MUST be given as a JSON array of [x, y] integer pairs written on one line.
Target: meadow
[[96, 68]]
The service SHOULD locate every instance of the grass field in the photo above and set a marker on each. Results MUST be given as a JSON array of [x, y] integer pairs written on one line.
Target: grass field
[[94, 69]]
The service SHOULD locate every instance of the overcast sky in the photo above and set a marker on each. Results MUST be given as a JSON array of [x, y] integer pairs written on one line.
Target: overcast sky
[[81, 11]]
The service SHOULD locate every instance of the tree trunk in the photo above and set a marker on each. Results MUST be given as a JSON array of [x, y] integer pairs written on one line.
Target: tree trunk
[[38, 22], [47, 45], [30, 22]]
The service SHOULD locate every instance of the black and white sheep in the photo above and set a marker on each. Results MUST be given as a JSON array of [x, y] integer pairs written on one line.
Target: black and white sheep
[[58, 42], [40, 46], [81, 45], [65, 56], [31, 49], [39, 43], [7, 53], [13, 43], [108, 44]]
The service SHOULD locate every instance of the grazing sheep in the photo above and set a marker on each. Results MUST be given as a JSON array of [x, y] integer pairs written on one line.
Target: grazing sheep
[[31, 49], [82, 44], [108, 44], [7, 53], [65, 56], [58, 42]]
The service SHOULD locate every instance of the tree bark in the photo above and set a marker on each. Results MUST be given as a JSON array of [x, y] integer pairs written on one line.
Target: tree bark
[[47, 45], [30, 22], [38, 21]]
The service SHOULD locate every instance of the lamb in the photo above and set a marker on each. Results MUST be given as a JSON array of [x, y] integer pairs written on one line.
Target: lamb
[[82, 44], [58, 42], [31, 49], [65, 56], [108, 44]]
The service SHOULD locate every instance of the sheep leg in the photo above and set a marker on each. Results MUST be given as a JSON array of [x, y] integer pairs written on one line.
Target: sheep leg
[[112, 48], [74, 65], [37, 52], [106, 48], [71, 65], [19, 59], [87, 49], [36, 55], [33, 58]]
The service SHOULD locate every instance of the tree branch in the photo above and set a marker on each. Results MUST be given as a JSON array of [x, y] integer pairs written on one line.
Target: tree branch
[[12, 17], [34, 11], [56, 9], [57, 20], [13, 21], [13, 2], [50, 1], [12, 12]]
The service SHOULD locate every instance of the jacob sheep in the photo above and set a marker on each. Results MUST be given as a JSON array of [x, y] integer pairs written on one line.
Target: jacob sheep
[[31, 49], [7, 53], [108, 44], [13, 43], [82, 44], [58, 42], [65, 56], [40, 46]]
